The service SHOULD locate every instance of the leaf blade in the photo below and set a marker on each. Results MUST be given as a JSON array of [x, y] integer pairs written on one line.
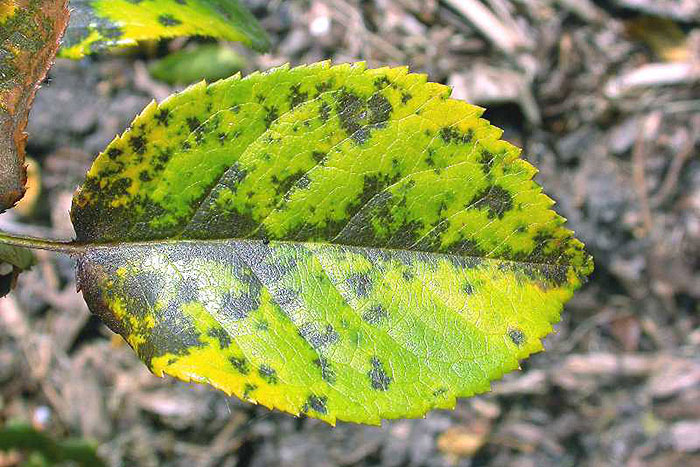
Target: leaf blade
[[332, 280], [13, 261], [209, 62], [99, 25], [29, 35]]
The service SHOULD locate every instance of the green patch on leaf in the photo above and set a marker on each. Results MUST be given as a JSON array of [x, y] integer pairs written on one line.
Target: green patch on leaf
[[336, 241], [99, 25], [29, 35]]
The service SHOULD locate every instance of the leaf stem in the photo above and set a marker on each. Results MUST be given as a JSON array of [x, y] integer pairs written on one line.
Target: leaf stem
[[69, 248]]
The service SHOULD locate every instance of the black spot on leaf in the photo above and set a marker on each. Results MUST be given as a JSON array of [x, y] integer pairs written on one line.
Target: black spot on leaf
[[351, 112], [495, 199], [248, 390], [467, 247], [406, 234], [327, 373], [358, 117], [378, 378], [193, 123], [164, 156], [452, 135], [232, 178], [380, 109], [141, 291], [268, 374], [163, 340], [316, 403], [163, 117], [271, 114], [113, 153], [297, 97], [517, 336], [304, 182], [138, 144], [375, 315], [109, 31], [239, 306], [240, 364], [317, 338], [361, 284], [283, 185], [486, 159], [324, 112], [381, 82], [318, 156], [221, 335], [168, 20]]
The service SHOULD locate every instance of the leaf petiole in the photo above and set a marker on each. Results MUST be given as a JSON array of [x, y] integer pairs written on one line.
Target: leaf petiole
[[70, 248]]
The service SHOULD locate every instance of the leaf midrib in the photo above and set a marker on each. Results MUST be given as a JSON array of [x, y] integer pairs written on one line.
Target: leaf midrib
[[85, 247]]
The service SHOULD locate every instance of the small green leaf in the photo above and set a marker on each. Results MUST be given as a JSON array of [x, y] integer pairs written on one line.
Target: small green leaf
[[13, 260], [20, 436], [343, 242], [98, 25], [29, 35], [209, 62]]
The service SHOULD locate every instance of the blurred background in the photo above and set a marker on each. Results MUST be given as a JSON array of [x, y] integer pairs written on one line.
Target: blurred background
[[603, 96]]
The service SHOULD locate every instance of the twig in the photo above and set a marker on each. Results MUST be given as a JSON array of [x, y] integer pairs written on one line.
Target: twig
[[652, 75], [488, 24], [683, 10], [669, 183], [503, 9], [352, 19], [224, 442], [602, 363], [650, 127], [31, 345], [584, 9], [681, 106], [580, 331]]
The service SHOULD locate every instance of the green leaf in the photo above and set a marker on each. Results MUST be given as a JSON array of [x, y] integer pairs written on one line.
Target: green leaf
[[209, 62], [13, 260], [99, 25], [20, 436], [343, 242], [29, 35]]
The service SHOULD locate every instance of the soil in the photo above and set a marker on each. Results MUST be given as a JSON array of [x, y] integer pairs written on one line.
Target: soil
[[601, 101]]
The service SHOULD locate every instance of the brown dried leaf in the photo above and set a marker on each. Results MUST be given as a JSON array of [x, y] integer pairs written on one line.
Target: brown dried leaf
[[30, 31]]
